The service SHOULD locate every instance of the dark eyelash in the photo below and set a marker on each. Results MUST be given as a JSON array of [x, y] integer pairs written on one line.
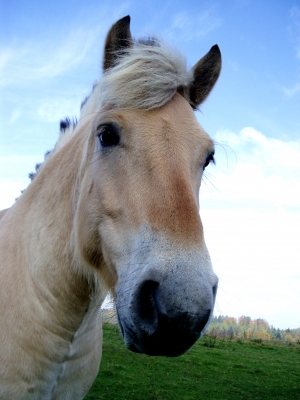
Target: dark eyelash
[[210, 160]]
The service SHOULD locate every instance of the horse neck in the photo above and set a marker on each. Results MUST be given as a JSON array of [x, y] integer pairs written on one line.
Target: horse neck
[[44, 215]]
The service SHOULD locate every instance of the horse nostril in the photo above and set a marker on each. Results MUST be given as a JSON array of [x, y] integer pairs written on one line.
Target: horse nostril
[[162, 326], [146, 307]]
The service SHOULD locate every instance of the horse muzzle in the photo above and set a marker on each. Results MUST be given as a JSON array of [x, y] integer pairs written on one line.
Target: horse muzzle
[[164, 311]]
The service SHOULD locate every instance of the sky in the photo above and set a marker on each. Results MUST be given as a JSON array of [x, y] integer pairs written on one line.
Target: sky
[[50, 56]]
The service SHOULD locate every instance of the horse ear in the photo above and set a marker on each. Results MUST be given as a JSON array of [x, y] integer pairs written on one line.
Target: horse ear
[[118, 38], [206, 73]]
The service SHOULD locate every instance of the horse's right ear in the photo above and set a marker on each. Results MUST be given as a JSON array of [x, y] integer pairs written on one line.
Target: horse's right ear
[[206, 72], [118, 38]]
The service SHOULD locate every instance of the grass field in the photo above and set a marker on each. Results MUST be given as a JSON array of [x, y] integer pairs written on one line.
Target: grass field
[[212, 369]]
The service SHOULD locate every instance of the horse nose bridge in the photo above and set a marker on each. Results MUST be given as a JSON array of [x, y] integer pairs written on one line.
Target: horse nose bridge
[[174, 209]]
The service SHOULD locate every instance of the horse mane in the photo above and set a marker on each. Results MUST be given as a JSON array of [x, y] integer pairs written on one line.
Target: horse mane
[[147, 76], [67, 126]]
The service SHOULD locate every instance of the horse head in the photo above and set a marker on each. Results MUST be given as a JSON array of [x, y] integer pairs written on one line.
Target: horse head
[[137, 219]]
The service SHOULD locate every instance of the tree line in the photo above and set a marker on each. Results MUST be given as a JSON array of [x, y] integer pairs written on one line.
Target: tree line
[[246, 328], [234, 328]]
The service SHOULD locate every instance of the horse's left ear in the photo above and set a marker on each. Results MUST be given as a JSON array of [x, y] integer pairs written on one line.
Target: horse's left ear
[[118, 38], [206, 72]]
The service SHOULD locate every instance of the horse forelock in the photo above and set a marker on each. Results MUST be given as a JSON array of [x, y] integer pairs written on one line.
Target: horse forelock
[[146, 76]]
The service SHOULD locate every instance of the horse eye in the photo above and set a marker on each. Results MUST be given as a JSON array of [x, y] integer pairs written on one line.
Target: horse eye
[[210, 159], [108, 135]]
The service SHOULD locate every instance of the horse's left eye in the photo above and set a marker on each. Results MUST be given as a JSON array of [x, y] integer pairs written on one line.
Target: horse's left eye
[[108, 135], [210, 159]]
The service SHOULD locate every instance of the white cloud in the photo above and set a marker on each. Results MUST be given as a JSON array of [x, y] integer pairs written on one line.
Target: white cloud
[[233, 66], [294, 28], [71, 53], [14, 172], [27, 62], [294, 36], [187, 27], [53, 110], [295, 12], [252, 226], [6, 56], [261, 170], [10, 190], [15, 115], [291, 91], [257, 256]]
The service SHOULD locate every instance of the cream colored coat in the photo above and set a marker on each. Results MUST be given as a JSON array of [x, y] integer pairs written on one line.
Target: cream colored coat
[[114, 208]]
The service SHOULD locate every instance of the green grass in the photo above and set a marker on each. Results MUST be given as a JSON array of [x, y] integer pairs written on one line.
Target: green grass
[[212, 369]]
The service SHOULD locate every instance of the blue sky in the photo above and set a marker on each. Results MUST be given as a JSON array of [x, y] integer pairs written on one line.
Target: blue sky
[[50, 55]]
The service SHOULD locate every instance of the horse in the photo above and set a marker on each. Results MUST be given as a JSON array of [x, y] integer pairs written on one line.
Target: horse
[[114, 208]]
